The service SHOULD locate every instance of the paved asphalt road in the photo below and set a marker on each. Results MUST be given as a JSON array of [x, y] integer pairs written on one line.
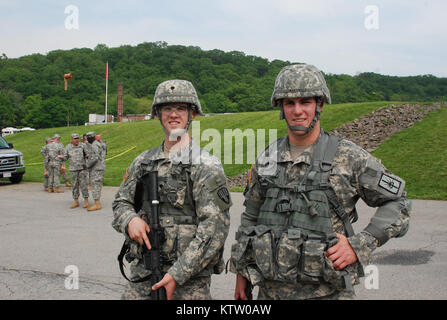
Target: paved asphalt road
[[41, 238]]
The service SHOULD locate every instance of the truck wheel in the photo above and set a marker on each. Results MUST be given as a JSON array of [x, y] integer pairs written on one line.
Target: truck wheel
[[16, 179]]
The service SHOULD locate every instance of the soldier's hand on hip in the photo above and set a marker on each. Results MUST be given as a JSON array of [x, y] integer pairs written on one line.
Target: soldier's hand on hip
[[138, 229], [341, 254]]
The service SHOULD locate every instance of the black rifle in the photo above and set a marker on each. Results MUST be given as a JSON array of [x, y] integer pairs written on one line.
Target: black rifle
[[249, 290], [152, 258]]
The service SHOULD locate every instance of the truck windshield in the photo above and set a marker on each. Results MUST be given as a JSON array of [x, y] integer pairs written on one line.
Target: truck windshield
[[3, 144]]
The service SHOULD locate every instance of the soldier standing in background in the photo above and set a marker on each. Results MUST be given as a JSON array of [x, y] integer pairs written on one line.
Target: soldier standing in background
[[63, 172], [88, 150], [55, 156], [103, 144], [296, 240], [194, 203], [44, 152], [96, 166], [75, 154], [85, 174]]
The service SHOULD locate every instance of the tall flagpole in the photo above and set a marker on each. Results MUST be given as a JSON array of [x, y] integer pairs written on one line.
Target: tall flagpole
[[107, 82]]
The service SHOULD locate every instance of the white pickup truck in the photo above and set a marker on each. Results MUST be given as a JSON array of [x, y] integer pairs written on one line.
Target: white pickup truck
[[12, 164]]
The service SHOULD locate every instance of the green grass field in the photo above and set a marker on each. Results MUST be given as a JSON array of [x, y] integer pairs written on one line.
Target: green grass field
[[419, 155], [127, 140]]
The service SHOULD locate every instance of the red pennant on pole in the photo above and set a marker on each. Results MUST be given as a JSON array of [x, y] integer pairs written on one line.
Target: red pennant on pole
[[106, 75]]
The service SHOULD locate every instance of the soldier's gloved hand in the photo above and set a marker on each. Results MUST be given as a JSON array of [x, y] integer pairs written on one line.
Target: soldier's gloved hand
[[169, 283], [341, 254], [138, 229]]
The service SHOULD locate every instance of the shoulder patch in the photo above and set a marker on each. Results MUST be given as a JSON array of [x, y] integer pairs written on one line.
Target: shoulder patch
[[217, 187], [224, 194], [389, 183], [250, 174], [126, 175]]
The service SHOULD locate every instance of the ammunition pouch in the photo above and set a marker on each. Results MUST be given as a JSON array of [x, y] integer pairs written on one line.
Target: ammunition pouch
[[291, 256], [178, 232]]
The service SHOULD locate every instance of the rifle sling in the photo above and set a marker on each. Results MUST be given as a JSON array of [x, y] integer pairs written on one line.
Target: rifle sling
[[123, 252]]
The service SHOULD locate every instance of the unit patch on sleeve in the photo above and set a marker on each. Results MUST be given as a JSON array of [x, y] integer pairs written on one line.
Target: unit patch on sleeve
[[224, 195], [389, 183]]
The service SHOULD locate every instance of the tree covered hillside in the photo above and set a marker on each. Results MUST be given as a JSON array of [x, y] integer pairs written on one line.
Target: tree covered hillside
[[32, 87]]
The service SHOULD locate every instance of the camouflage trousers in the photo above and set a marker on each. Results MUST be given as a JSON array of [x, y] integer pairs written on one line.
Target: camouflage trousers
[[275, 290], [45, 179], [65, 176], [193, 289], [79, 182], [96, 178], [53, 176]]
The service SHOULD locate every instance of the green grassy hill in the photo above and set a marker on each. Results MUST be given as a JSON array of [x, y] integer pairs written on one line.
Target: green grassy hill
[[419, 155], [127, 140]]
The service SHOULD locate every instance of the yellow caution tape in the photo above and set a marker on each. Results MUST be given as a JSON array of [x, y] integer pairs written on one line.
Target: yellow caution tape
[[120, 154], [116, 156], [33, 164]]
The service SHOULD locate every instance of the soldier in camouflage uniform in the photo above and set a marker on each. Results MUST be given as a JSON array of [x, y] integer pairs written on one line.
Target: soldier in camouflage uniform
[[296, 240], [87, 148], [64, 173], [43, 152], [54, 153], [96, 165], [194, 203], [102, 143], [75, 154]]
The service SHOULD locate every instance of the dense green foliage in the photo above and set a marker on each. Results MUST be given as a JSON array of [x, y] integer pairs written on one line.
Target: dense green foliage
[[32, 87]]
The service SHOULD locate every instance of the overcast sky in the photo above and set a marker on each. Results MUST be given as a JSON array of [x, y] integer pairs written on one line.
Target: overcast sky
[[393, 37]]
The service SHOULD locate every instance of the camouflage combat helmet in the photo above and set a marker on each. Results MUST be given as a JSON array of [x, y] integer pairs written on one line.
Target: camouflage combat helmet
[[90, 134], [180, 91], [176, 91], [301, 80]]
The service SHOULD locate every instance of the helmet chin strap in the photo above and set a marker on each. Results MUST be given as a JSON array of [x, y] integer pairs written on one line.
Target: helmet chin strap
[[306, 130]]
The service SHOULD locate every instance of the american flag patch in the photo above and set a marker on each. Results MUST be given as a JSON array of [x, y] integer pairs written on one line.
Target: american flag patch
[[389, 183]]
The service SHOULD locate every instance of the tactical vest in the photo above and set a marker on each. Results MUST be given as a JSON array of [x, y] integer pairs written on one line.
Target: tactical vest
[[177, 216], [176, 198], [294, 227]]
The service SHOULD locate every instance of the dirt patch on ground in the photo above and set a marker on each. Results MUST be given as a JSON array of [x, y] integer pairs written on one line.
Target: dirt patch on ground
[[371, 130]]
